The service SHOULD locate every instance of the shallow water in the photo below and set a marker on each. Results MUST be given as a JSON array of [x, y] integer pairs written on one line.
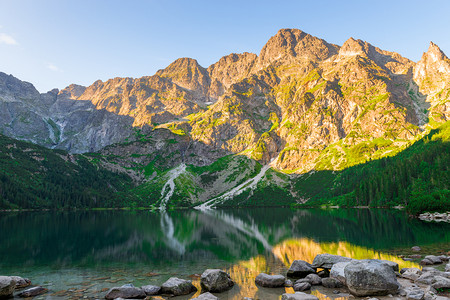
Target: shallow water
[[80, 254]]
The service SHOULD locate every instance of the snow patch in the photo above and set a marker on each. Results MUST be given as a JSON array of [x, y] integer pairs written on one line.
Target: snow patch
[[169, 186], [248, 184]]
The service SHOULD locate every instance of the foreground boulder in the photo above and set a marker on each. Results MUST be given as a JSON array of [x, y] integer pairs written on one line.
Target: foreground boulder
[[326, 261], [434, 259], [33, 292], [21, 282], [127, 291], [298, 296], [300, 269], [370, 277], [7, 286], [216, 281], [337, 271], [270, 281], [206, 296], [151, 290], [176, 286]]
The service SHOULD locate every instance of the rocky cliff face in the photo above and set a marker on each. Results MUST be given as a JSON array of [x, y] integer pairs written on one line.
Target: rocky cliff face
[[54, 120], [302, 103]]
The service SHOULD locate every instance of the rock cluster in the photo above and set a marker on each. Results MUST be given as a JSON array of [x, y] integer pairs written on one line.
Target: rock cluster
[[362, 278], [436, 217], [9, 284]]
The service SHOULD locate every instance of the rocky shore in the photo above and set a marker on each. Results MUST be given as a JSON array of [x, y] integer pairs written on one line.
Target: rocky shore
[[342, 276]]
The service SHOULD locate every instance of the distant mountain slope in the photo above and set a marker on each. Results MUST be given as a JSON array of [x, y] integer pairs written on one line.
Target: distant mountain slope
[[301, 105], [32, 176]]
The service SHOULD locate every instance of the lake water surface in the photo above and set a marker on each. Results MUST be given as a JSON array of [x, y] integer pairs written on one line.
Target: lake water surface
[[80, 254]]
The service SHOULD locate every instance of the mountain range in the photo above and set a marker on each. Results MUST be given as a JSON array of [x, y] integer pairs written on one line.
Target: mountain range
[[190, 135]]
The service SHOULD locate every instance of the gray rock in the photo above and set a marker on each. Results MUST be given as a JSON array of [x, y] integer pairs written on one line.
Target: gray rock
[[414, 293], [302, 286], [33, 292], [430, 293], [314, 279], [21, 282], [176, 286], [271, 281], [326, 261], [332, 283], [298, 296], [426, 262], [373, 299], [216, 281], [300, 269], [434, 259], [288, 283], [337, 271], [440, 282], [127, 291], [416, 248], [427, 276], [392, 264], [370, 277], [412, 273], [7, 286], [447, 268], [324, 273], [206, 296], [416, 256], [151, 290], [443, 257], [403, 270]]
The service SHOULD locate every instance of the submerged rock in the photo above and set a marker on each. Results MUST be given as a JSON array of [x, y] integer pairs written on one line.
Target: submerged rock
[[33, 292], [271, 281], [176, 286], [326, 261], [300, 268], [298, 296], [370, 277], [216, 280], [7, 286], [127, 291]]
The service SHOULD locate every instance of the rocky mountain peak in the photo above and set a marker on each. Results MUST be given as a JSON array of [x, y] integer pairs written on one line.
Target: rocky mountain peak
[[434, 61], [435, 53], [73, 91], [187, 73], [290, 45], [228, 70], [353, 47]]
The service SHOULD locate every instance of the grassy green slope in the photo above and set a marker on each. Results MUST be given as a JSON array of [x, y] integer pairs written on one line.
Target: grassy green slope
[[417, 178]]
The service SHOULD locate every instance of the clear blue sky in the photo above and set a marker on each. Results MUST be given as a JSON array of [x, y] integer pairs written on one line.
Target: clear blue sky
[[52, 43]]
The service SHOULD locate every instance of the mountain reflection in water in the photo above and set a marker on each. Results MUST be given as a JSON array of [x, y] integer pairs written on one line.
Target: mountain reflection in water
[[127, 246]]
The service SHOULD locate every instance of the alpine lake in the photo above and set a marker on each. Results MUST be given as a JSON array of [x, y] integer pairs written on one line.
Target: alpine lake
[[81, 254]]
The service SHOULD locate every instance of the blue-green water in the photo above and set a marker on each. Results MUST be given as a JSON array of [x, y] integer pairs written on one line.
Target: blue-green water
[[79, 254]]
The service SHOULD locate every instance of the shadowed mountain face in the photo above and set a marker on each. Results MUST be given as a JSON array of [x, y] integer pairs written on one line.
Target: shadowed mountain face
[[304, 103]]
